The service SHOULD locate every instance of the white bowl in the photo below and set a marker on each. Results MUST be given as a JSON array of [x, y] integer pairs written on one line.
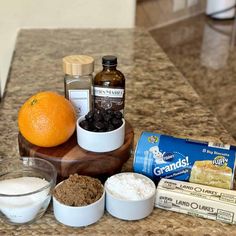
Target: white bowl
[[130, 209], [79, 216], [100, 141]]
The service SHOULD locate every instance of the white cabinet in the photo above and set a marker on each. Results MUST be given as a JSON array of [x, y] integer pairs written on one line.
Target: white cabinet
[[15, 15]]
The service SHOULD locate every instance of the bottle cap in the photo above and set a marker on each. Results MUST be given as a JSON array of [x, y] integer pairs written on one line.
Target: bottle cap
[[109, 60], [78, 65]]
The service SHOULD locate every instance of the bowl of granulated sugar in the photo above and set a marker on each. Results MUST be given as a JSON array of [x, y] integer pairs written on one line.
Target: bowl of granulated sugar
[[25, 189], [130, 196]]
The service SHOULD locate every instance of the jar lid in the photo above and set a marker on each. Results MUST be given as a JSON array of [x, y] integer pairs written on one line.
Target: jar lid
[[109, 60], [78, 65]]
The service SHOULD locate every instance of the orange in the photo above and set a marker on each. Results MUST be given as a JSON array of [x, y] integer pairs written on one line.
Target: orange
[[47, 119]]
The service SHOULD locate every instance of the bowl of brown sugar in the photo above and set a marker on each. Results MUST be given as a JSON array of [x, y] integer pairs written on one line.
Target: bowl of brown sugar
[[79, 201]]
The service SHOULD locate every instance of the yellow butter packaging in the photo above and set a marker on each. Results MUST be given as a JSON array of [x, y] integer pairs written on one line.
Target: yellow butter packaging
[[197, 200]]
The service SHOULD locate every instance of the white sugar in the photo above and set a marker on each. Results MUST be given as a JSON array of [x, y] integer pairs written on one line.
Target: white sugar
[[21, 185], [21, 209], [130, 186]]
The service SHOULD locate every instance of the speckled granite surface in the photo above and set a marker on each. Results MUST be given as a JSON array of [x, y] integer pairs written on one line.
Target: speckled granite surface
[[158, 98], [204, 51]]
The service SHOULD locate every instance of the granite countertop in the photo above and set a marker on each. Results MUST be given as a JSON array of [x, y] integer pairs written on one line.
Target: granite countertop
[[158, 98], [203, 49]]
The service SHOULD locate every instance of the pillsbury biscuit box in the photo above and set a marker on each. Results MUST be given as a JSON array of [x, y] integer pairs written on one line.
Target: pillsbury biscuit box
[[160, 156]]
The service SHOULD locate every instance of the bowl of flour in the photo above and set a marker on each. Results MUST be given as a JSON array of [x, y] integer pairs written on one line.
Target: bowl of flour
[[130, 196], [26, 185]]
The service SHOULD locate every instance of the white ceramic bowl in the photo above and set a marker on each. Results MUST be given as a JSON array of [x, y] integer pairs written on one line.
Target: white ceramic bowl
[[100, 141], [79, 216], [130, 209]]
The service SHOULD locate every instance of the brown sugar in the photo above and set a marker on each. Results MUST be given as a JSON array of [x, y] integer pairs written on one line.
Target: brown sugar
[[79, 190]]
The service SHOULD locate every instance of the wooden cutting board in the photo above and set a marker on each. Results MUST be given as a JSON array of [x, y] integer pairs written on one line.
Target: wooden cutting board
[[70, 158]]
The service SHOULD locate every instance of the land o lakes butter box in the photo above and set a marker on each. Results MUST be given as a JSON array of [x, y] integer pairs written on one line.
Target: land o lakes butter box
[[197, 200], [161, 156]]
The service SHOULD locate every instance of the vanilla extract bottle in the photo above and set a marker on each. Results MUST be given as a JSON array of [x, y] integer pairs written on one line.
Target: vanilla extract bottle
[[109, 86]]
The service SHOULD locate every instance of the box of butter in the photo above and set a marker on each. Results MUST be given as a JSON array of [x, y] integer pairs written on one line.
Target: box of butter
[[197, 200], [162, 156]]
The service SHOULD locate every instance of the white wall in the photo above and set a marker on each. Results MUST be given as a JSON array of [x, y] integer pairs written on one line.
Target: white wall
[[16, 14]]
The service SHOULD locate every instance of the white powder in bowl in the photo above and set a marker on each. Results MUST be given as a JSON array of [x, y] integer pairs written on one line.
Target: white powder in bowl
[[21, 209], [130, 186], [21, 185]]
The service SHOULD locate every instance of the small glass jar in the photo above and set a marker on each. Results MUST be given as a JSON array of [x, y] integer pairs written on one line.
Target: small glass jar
[[78, 78], [109, 86]]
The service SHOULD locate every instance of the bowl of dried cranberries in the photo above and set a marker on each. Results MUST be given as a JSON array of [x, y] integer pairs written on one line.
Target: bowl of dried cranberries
[[101, 130]]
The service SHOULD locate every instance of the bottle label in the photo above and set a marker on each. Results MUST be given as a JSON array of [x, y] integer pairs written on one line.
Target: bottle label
[[80, 100], [109, 98]]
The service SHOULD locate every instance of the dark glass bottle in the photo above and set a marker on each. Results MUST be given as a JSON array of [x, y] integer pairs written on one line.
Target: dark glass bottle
[[109, 86]]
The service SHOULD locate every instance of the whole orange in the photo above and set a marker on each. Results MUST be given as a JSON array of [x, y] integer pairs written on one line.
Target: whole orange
[[47, 119]]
